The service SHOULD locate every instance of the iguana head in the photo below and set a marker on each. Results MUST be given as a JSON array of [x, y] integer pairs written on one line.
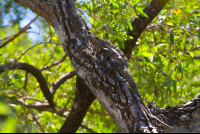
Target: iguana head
[[95, 39]]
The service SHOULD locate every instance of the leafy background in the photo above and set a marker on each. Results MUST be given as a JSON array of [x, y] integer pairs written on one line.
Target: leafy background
[[165, 62]]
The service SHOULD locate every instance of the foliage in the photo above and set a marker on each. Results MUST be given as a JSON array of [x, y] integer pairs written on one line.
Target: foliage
[[165, 62]]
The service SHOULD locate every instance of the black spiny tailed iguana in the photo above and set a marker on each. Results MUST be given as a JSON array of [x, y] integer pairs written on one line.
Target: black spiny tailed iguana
[[118, 62]]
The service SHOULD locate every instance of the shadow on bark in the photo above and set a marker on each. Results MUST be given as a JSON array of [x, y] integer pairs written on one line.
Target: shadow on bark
[[82, 102]]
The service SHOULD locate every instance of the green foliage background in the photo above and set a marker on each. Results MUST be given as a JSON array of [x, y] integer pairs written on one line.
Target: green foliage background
[[165, 62]]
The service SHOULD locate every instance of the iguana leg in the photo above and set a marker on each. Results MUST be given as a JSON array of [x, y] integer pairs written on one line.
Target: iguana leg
[[106, 52]]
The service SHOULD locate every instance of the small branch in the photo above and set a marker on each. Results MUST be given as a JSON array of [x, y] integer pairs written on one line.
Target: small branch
[[34, 119], [36, 73], [39, 106], [60, 81], [24, 98], [5, 38], [63, 109], [25, 81], [19, 33], [54, 64], [197, 48], [161, 24], [52, 54], [88, 129], [27, 50]]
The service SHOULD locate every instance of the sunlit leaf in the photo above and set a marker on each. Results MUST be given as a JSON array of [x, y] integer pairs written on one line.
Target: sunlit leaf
[[141, 12]]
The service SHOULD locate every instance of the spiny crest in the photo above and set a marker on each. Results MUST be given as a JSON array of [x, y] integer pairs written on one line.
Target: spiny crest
[[109, 45]]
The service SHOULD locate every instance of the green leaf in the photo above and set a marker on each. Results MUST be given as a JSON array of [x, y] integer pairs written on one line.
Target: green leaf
[[17, 76], [146, 54], [152, 66], [169, 55], [133, 13], [171, 38], [183, 42], [130, 26], [191, 54], [114, 5], [174, 87], [141, 12], [199, 32]]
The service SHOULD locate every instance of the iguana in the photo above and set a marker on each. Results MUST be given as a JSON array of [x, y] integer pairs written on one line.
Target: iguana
[[118, 62]]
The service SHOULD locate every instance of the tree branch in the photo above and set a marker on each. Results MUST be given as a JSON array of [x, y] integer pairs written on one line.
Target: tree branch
[[82, 102], [88, 129], [60, 81], [36, 73], [54, 64], [35, 119], [139, 24], [19, 33]]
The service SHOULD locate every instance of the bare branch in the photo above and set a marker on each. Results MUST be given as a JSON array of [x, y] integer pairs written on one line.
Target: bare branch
[[197, 48], [25, 81], [52, 54], [19, 33], [61, 80], [36, 73], [63, 109], [35, 119], [54, 64], [155, 26], [88, 129], [24, 98]]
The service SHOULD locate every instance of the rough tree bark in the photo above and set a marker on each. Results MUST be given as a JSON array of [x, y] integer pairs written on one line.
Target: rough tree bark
[[112, 92], [82, 102]]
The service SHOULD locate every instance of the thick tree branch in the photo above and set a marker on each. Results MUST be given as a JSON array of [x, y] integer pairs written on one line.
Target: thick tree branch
[[82, 102], [184, 118], [139, 24]]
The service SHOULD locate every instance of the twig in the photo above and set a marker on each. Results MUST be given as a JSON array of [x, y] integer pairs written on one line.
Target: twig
[[52, 54], [88, 129], [37, 74], [61, 80], [26, 80], [19, 33], [34, 119], [54, 64], [63, 109], [24, 98]]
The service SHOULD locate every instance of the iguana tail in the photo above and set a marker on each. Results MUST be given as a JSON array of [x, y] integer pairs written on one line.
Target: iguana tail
[[126, 75]]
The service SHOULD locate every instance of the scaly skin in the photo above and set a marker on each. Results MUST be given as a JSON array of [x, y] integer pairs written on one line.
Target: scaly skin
[[119, 63], [109, 52]]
